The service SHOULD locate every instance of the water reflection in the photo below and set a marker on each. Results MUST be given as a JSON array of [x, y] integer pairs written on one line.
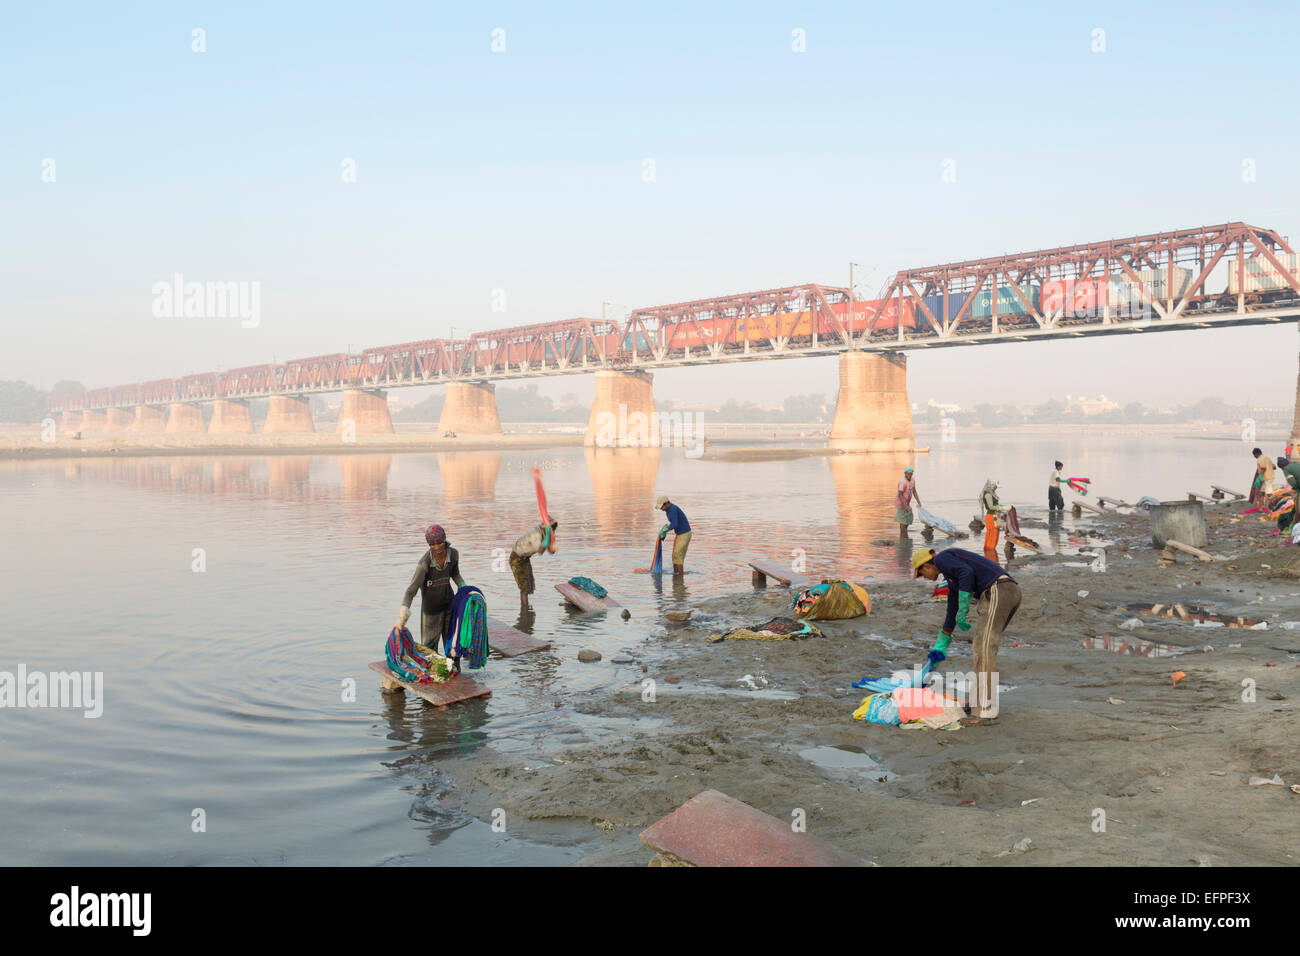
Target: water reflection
[[623, 490], [289, 477], [470, 474], [865, 486], [365, 476]]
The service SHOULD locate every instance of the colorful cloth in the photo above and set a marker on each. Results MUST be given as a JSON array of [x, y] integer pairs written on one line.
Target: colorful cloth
[[466, 637], [777, 629], [588, 585], [406, 661], [832, 601]]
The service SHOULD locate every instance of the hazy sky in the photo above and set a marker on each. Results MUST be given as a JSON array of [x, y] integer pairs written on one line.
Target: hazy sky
[[523, 171]]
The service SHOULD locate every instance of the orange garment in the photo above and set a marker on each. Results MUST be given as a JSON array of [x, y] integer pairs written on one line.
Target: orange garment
[[990, 532]]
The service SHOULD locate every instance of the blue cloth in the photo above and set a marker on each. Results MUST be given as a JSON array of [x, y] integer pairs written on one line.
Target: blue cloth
[[965, 571], [588, 585], [676, 519], [467, 600]]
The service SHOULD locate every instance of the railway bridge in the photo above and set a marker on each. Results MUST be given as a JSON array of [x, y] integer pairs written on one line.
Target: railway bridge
[[1211, 276]]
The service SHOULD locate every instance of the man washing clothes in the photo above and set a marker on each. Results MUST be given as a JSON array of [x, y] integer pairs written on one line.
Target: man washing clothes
[[972, 577], [436, 570], [681, 529]]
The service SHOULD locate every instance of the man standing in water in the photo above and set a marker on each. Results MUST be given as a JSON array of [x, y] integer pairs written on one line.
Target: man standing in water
[[541, 540], [971, 576], [1055, 500], [437, 568], [681, 529], [903, 501]]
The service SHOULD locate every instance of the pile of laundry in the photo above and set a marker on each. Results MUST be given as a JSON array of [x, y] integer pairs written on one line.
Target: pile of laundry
[[415, 663], [832, 601], [1013, 531], [466, 636], [590, 586], [911, 708], [777, 629]]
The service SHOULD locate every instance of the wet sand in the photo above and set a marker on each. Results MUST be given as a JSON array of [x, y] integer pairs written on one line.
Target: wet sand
[[1081, 732]]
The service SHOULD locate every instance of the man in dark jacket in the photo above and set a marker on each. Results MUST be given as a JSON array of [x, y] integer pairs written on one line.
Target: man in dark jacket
[[436, 570], [973, 577]]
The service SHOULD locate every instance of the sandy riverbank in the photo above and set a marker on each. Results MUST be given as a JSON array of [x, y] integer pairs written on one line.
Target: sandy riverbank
[[1081, 731], [26, 443]]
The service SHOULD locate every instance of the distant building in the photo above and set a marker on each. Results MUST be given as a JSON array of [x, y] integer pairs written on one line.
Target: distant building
[[1090, 406], [943, 408]]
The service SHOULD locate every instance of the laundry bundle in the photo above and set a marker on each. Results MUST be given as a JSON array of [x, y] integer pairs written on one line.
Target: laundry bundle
[[588, 585], [777, 629], [832, 601], [911, 708], [466, 636], [1079, 485], [415, 663]]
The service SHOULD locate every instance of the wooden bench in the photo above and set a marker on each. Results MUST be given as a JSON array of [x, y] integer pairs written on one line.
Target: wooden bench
[[1076, 508], [1113, 502], [584, 601], [1226, 491], [440, 695], [713, 829], [511, 642], [764, 569]]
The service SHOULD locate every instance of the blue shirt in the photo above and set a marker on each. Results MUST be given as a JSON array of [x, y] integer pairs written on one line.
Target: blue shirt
[[965, 571], [676, 519]]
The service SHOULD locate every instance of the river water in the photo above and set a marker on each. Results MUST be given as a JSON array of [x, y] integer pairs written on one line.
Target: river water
[[230, 602]]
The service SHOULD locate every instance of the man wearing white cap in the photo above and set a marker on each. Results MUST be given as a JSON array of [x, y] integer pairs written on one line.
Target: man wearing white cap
[[679, 526]]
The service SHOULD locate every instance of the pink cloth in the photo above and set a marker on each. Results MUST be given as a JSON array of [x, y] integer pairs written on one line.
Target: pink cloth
[[917, 702], [904, 497]]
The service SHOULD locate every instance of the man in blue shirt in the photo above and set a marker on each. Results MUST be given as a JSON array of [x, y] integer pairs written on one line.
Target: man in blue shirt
[[681, 529], [973, 577]]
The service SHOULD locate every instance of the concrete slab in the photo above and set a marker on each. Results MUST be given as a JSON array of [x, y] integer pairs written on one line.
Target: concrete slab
[[511, 642], [765, 568], [452, 692], [581, 599], [713, 829]]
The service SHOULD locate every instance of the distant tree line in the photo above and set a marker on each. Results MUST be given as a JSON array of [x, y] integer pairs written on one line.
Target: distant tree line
[[21, 402], [1055, 412]]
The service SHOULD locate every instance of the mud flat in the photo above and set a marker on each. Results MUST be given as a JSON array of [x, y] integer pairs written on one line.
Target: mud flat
[[1082, 732], [18, 442]]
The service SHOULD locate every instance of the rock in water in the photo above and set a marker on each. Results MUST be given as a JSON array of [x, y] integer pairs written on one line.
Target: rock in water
[[588, 657]]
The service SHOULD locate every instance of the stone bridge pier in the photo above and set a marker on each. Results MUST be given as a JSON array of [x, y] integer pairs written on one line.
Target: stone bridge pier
[[185, 419], [287, 415], [470, 408], [148, 419], [623, 414], [230, 418], [872, 412], [368, 411]]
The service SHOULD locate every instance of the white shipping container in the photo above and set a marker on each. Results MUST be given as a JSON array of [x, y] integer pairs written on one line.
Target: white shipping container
[[1155, 281], [1262, 275]]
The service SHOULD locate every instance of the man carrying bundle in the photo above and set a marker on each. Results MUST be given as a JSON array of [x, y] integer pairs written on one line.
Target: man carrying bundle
[[436, 570], [973, 577]]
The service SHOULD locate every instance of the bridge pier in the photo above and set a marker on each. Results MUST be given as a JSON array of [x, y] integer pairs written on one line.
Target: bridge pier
[[148, 419], [185, 419], [871, 411], [70, 422], [368, 411], [94, 420], [230, 418], [623, 414], [288, 414], [119, 420], [470, 408]]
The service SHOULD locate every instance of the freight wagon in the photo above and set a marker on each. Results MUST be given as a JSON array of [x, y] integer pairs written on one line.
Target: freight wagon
[[796, 327], [1008, 302]]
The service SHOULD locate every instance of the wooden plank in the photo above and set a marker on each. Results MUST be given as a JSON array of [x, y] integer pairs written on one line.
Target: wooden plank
[[1227, 491], [581, 599], [767, 568], [1116, 502], [452, 692], [1076, 504], [1188, 549], [511, 642], [713, 829]]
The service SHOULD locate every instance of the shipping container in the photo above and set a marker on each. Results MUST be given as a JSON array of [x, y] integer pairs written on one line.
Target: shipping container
[[1261, 275], [935, 304], [1156, 281], [1008, 302], [1074, 298]]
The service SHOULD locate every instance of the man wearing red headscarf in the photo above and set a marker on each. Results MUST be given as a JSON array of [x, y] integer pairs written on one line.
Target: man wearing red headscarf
[[438, 567]]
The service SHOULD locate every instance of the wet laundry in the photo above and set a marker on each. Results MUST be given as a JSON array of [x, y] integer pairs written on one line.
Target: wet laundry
[[776, 629]]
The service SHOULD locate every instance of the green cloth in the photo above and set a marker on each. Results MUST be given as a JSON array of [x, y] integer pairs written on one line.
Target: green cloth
[[1292, 473], [963, 608], [941, 645]]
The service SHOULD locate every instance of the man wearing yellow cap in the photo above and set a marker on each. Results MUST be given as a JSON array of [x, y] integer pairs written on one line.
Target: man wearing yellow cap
[[972, 576], [681, 529]]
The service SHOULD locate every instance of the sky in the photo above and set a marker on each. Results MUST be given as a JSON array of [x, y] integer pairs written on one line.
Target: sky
[[524, 170]]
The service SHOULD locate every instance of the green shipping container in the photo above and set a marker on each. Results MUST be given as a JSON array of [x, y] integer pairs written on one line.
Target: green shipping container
[[1008, 302]]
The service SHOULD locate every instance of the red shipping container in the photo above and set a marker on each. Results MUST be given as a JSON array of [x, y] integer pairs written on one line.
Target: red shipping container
[[1074, 298]]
